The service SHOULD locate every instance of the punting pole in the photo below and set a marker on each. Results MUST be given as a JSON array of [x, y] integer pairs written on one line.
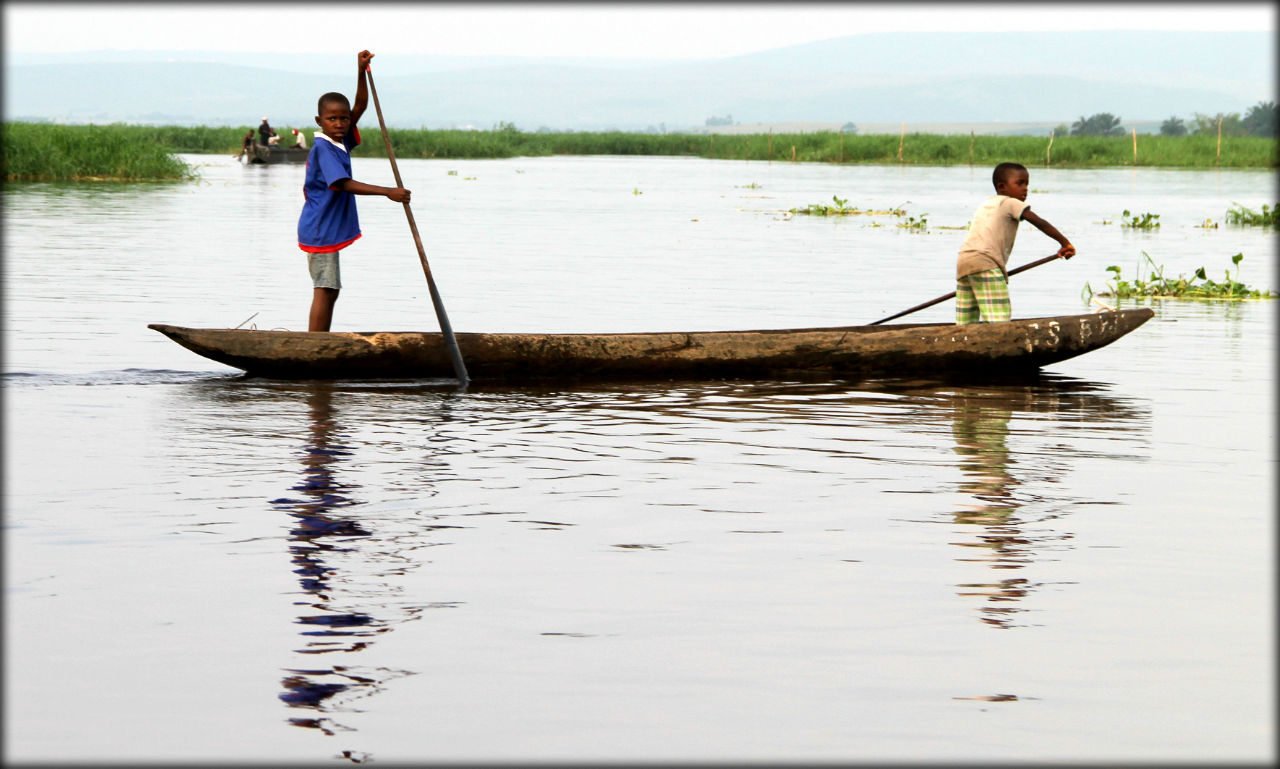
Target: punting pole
[[451, 343], [932, 302]]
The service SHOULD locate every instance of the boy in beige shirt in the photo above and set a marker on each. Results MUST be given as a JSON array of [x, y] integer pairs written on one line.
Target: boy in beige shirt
[[982, 281]]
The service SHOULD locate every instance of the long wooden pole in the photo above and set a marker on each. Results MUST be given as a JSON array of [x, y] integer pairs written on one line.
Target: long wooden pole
[[451, 343], [932, 302]]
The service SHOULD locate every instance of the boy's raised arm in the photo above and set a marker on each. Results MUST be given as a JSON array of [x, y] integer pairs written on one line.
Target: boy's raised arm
[[362, 88]]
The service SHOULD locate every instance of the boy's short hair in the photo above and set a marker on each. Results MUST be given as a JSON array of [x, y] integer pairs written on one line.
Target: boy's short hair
[[333, 97], [1004, 171]]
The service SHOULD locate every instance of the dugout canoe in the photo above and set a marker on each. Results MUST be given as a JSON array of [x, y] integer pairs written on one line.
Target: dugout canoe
[[1012, 346], [261, 154]]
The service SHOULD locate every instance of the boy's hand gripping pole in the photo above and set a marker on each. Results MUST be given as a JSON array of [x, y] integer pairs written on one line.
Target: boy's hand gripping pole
[[459, 369]]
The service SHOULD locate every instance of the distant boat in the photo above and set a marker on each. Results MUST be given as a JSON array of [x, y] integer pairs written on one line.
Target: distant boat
[[263, 154], [929, 349]]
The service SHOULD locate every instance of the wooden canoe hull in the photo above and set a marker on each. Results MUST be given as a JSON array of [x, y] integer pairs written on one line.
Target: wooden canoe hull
[[852, 351], [263, 155]]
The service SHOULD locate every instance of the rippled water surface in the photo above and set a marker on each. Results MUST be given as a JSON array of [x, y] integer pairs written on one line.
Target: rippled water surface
[[206, 567]]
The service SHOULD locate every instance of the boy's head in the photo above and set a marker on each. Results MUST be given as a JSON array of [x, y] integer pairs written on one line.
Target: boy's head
[[333, 97], [1011, 179], [333, 115]]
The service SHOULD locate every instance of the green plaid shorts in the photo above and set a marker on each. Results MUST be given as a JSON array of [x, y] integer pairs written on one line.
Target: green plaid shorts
[[982, 295]]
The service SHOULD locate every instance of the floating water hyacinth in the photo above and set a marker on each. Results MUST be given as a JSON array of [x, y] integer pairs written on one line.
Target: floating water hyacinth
[[1180, 287], [1140, 221], [1268, 217], [842, 208]]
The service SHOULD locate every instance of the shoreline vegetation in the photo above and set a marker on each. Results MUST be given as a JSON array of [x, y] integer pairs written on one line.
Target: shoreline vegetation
[[122, 152], [111, 153]]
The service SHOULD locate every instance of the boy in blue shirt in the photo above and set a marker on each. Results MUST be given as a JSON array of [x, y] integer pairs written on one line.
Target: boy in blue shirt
[[982, 281], [328, 222]]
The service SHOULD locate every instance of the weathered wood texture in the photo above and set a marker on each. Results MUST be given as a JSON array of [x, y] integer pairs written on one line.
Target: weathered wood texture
[[853, 351]]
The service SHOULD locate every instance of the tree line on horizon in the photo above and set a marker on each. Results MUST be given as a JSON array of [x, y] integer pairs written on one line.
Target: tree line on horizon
[[1260, 120]]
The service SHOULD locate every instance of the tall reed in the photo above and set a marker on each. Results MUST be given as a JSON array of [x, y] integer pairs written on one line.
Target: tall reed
[[45, 152], [135, 152], [833, 147]]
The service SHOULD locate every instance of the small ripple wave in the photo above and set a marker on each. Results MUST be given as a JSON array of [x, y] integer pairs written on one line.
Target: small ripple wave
[[128, 376]]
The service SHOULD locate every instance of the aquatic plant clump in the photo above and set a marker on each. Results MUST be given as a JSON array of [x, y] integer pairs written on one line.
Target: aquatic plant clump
[[1268, 217], [1140, 221], [915, 225], [1181, 287], [841, 208], [42, 152]]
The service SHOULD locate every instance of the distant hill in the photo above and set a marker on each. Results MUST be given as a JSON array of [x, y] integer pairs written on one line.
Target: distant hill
[[920, 78]]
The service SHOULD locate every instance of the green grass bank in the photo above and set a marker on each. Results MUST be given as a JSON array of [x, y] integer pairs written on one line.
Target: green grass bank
[[41, 151], [47, 152]]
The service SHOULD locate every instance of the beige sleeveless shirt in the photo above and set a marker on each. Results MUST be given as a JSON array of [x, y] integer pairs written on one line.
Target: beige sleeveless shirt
[[991, 235]]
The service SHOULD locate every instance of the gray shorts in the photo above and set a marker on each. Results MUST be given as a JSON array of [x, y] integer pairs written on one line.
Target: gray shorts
[[324, 270]]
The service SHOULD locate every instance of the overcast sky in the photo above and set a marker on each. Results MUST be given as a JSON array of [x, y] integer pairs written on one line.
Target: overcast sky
[[663, 30]]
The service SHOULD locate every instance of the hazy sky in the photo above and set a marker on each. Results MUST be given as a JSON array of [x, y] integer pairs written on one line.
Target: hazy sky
[[663, 30]]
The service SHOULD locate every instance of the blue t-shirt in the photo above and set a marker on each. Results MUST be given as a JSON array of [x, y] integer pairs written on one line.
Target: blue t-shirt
[[328, 221]]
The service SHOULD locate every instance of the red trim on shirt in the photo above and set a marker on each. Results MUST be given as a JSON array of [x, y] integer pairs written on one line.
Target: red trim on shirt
[[327, 249]]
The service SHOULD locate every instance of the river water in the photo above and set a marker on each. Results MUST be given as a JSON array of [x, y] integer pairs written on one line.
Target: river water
[[205, 567]]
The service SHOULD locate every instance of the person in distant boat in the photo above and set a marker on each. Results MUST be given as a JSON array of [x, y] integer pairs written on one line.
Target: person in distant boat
[[982, 280], [264, 131], [328, 222], [274, 140], [299, 139], [246, 145]]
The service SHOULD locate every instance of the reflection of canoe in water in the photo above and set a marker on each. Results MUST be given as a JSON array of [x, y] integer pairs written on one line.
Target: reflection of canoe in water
[[844, 352], [260, 154]]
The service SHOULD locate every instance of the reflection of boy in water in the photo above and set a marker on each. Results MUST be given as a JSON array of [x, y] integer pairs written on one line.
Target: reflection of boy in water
[[982, 281], [337, 626], [980, 432]]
